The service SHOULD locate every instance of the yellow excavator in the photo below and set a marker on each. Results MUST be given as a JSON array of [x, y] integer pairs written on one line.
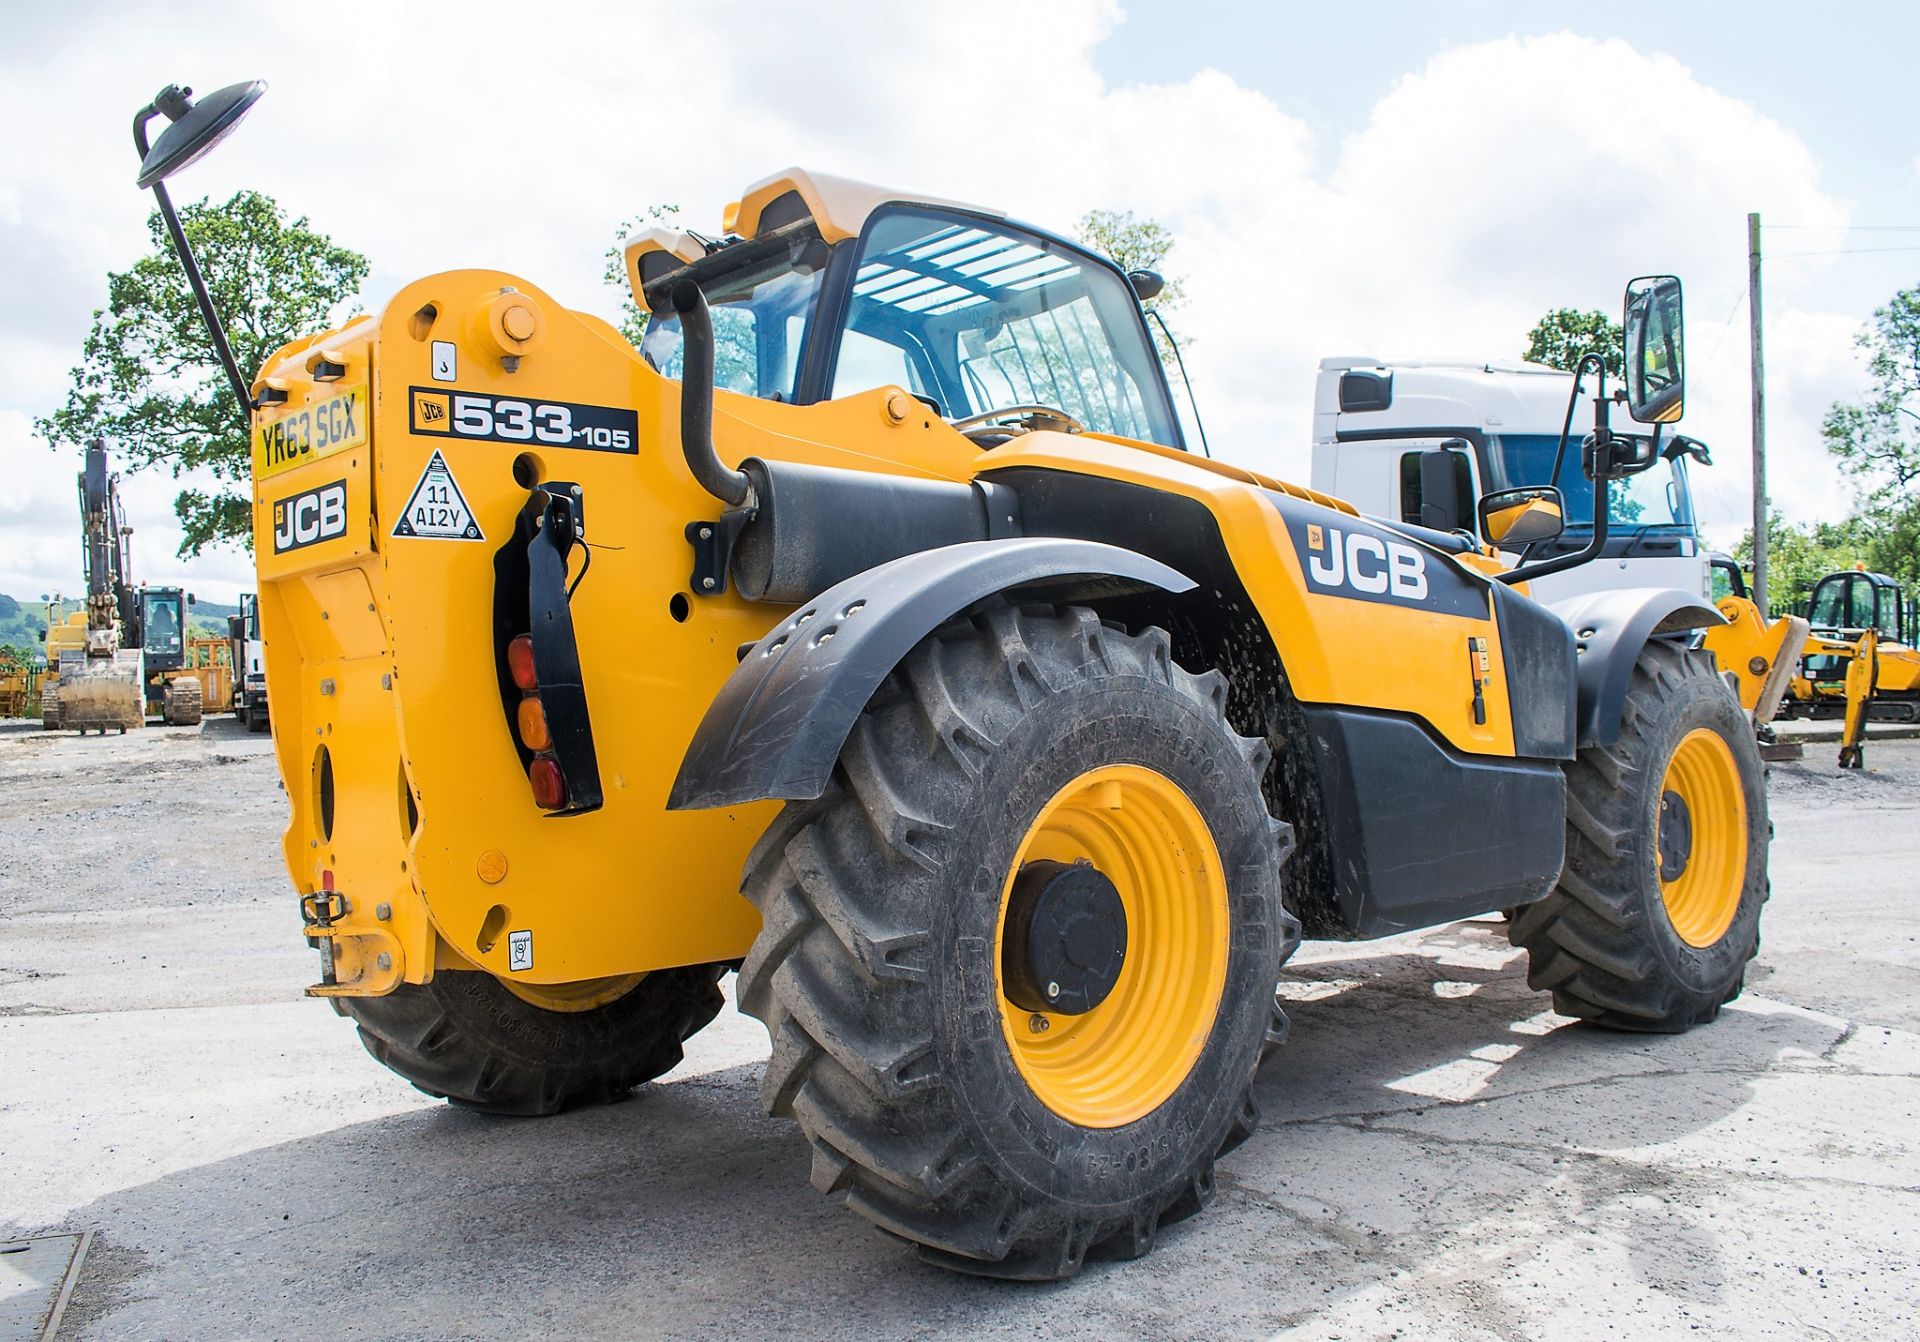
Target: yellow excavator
[[870, 631], [129, 653]]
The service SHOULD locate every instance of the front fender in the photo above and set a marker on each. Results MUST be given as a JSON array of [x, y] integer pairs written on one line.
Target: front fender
[[777, 725], [1609, 631]]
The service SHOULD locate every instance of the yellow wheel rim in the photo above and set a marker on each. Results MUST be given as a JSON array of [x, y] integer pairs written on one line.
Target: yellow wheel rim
[[1124, 1058], [1701, 853], [583, 995]]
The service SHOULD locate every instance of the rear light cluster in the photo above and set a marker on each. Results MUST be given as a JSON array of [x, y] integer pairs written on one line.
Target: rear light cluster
[[543, 774]]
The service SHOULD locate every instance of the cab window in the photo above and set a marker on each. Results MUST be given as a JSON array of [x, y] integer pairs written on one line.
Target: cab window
[[976, 316]]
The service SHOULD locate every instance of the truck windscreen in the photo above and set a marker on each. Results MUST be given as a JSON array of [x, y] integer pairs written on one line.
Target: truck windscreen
[[1656, 499]]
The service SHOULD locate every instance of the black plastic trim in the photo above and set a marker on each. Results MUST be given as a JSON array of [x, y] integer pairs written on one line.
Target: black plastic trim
[[1609, 630], [1536, 647], [779, 722], [1425, 835]]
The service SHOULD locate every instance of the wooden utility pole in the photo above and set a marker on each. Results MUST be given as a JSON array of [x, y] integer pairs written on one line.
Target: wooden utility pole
[[1759, 419]]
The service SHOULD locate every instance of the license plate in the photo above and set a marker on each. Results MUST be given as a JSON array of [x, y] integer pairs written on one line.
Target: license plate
[[316, 430]]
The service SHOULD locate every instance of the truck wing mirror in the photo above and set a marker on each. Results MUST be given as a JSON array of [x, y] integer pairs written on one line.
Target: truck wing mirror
[[1513, 517], [1656, 365], [1444, 504]]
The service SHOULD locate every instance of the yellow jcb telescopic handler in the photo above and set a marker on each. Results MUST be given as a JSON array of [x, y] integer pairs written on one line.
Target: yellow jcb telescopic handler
[[870, 632]]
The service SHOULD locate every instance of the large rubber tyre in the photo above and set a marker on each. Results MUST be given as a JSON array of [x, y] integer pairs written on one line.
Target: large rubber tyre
[[50, 709], [181, 704], [874, 971], [257, 720], [1607, 942], [464, 1037]]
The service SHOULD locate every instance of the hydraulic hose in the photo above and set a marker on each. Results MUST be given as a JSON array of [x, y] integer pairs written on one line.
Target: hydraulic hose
[[696, 399]]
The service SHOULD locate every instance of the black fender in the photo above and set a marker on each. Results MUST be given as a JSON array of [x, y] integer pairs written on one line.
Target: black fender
[[778, 724], [1609, 630]]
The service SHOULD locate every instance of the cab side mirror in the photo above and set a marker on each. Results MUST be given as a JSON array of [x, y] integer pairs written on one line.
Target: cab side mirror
[[1656, 367], [1445, 488], [1147, 284], [1511, 517]]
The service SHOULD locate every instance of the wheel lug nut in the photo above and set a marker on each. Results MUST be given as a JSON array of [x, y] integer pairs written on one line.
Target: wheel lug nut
[[1053, 991], [1038, 1023]]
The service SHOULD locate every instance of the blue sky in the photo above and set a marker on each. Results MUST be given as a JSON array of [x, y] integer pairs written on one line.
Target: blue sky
[[1842, 76]]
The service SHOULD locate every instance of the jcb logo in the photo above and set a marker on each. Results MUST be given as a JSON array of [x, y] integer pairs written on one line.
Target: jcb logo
[[309, 518], [1365, 563]]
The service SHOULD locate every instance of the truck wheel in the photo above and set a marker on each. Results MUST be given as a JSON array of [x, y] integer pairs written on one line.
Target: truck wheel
[[257, 720], [50, 710], [1018, 962], [505, 1048], [180, 705], [1658, 908]]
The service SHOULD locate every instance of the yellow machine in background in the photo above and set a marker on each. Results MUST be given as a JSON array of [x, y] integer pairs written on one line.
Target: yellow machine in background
[[1762, 655], [16, 685], [881, 574]]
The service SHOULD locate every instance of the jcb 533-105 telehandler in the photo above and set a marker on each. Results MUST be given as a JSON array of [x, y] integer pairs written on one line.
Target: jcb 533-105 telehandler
[[870, 633]]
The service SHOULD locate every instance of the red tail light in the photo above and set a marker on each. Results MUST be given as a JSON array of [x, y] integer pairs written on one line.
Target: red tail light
[[549, 788], [520, 662]]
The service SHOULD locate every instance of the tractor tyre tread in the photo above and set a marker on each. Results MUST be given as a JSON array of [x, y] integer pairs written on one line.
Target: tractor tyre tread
[[1601, 941], [463, 1037], [841, 971]]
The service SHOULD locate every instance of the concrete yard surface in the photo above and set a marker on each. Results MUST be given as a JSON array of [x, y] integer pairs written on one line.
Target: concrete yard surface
[[1441, 1157]]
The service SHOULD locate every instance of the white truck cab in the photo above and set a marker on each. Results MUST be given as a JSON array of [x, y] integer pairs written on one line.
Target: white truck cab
[[1373, 418]]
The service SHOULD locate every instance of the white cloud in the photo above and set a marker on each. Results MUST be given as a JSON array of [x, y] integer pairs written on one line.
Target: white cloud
[[1484, 188]]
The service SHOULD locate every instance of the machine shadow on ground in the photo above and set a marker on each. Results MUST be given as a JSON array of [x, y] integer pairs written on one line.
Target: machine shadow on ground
[[605, 1221]]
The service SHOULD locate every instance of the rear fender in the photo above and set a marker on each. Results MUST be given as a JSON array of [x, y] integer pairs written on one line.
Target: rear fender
[[778, 724], [1609, 631]]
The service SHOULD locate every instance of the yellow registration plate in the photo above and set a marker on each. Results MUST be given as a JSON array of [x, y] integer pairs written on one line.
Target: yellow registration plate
[[316, 430]]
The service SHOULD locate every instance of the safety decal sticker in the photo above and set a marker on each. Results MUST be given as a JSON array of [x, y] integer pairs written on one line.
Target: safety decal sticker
[[519, 951], [437, 510], [446, 413]]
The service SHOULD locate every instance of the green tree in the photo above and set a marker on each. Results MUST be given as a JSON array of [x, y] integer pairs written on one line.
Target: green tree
[[1137, 244], [1875, 439], [149, 380], [1565, 335], [1799, 556]]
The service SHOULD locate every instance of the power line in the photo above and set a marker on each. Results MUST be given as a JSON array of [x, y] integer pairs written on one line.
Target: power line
[[1840, 251]]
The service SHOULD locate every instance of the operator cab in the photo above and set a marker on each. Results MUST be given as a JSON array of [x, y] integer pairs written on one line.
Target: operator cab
[[163, 627], [1845, 605], [828, 288]]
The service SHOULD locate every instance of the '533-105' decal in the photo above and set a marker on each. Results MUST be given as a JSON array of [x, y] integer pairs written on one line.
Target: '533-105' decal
[[508, 419]]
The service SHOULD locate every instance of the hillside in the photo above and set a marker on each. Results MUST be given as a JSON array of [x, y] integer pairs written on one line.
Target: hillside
[[21, 621]]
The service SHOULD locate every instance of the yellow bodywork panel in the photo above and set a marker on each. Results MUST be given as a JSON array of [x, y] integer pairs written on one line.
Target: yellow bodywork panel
[[348, 605], [393, 471], [1336, 651]]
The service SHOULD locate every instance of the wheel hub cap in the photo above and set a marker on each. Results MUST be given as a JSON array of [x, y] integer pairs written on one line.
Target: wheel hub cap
[[1676, 836], [1066, 938]]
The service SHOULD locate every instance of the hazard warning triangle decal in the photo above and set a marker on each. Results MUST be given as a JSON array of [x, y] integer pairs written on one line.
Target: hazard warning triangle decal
[[437, 511]]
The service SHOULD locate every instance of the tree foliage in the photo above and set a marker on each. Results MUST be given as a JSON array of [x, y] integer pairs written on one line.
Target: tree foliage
[[1875, 439], [150, 381], [1565, 335], [1137, 244]]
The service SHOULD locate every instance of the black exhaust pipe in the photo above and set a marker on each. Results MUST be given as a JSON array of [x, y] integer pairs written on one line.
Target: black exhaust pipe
[[696, 399]]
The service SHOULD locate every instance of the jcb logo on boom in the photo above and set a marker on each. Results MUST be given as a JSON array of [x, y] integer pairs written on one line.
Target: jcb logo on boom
[[310, 517]]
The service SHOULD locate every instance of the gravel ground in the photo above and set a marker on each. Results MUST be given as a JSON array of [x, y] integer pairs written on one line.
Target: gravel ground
[[1442, 1157]]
